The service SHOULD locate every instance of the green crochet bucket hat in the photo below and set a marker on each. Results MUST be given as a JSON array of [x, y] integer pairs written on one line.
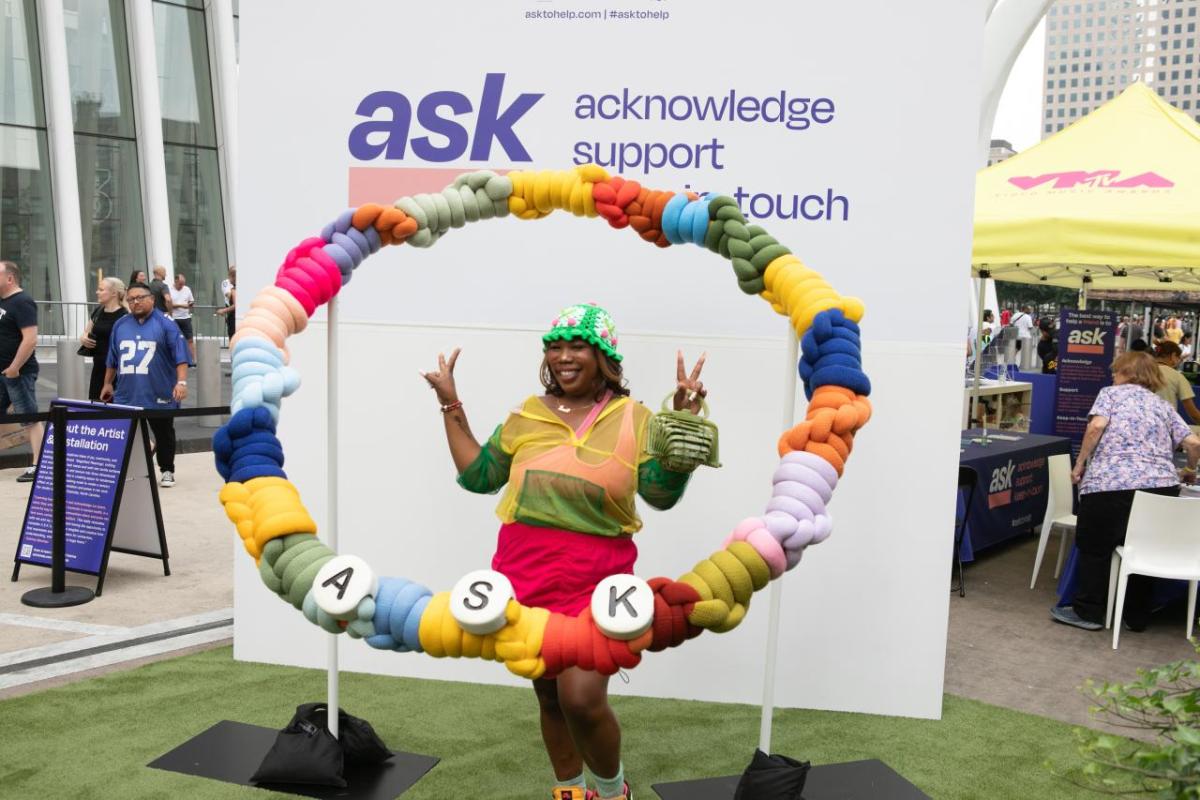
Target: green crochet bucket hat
[[586, 321]]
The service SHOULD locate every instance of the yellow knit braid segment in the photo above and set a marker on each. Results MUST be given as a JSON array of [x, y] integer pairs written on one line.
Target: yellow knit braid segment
[[518, 644], [264, 509], [725, 581], [800, 293], [537, 194]]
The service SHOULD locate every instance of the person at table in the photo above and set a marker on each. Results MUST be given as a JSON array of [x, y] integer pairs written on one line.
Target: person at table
[[1047, 348], [1185, 347], [1175, 389], [1131, 435]]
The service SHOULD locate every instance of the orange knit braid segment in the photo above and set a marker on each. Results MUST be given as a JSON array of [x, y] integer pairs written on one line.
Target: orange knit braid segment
[[577, 642], [612, 197], [393, 225], [645, 215], [834, 415]]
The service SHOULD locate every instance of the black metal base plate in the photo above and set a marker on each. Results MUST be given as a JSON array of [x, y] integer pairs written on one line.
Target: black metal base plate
[[231, 752], [854, 780], [48, 598]]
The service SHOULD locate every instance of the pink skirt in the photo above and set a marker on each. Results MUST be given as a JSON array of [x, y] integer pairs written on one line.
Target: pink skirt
[[557, 569]]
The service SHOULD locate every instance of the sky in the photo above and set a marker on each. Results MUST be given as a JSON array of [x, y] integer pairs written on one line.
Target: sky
[[1018, 119]]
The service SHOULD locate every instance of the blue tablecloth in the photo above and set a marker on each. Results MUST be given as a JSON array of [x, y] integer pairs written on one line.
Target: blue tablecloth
[[1010, 498]]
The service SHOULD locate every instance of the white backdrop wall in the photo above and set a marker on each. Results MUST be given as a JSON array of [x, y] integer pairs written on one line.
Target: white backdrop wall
[[864, 615]]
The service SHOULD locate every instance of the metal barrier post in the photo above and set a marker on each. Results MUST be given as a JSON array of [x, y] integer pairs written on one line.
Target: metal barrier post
[[72, 382], [208, 379]]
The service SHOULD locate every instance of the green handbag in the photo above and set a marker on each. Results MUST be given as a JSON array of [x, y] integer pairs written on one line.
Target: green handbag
[[681, 440]]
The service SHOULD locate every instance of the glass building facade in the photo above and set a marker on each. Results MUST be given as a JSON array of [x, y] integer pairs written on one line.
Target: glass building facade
[[113, 116]]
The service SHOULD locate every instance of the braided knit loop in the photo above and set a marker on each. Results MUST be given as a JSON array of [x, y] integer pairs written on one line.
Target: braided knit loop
[[403, 616]]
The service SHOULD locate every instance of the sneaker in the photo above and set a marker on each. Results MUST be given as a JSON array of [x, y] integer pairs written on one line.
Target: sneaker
[[1067, 616], [571, 793], [27, 476], [627, 794], [168, 480]]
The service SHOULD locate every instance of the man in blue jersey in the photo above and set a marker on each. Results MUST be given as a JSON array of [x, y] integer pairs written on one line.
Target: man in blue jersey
[[148, 359]]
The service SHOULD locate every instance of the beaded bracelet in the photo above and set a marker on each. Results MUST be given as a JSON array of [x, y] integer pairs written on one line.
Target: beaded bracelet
[[479, 617]]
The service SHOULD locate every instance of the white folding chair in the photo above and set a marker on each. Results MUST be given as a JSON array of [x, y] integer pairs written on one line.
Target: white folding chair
[[1162, 541], [1058, 514]]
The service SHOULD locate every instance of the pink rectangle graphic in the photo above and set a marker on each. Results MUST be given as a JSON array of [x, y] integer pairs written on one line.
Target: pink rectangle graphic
[[383, 185]]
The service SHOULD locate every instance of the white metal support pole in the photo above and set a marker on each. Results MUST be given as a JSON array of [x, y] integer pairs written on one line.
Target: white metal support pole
[[776, 594], [983, 279], [60, 128], [1083, 292], [331, 490]]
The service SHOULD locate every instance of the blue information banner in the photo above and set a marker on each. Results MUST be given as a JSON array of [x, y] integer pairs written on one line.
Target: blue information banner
[[1085, 354], [96, 451]]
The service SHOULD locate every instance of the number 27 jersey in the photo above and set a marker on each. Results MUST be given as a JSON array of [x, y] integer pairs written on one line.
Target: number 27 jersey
[[145, 355]]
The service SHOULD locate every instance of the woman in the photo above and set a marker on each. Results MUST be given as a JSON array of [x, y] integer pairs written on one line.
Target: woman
[[229, 310], [1047, 348], [1175, 389], [1130, 437], [111, 296], [137, 276], [1174, 331], [573, 457]]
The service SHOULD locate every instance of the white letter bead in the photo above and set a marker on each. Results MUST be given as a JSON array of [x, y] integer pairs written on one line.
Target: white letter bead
[[623, 606], [479, 600], [342, 584]]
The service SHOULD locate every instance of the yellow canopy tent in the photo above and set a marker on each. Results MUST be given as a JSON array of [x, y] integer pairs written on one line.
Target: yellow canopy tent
[[1112, 202]]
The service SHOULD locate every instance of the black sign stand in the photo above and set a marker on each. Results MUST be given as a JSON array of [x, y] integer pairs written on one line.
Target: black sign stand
[[58, 594]]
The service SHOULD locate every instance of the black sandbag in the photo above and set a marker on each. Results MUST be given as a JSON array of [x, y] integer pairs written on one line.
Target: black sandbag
[[772, 777], [359, 741], [304, 752]]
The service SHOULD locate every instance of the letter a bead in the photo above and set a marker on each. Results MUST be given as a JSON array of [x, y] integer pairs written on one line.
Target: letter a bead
[[342, 583]]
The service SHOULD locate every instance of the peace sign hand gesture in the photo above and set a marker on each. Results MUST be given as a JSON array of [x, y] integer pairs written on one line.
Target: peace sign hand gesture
[[441, 380], [689, 389]]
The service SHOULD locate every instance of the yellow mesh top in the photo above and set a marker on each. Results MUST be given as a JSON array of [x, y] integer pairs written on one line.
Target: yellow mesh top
[[585, 483]]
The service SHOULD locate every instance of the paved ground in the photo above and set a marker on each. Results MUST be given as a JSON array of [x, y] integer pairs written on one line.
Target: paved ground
[[142, 613], [191, 435], [1004, 649]]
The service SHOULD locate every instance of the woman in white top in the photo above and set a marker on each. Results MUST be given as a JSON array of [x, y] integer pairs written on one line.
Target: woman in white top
[[1175, 389]]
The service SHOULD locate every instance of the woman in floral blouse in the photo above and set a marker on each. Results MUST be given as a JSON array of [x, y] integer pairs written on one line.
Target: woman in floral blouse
[[1128, 446]]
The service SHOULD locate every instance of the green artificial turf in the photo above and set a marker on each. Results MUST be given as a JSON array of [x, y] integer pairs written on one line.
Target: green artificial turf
[[92, 739]]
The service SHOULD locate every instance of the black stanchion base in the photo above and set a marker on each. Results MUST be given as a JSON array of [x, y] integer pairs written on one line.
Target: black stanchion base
[[48, 598], [854, 780], [231, 752]]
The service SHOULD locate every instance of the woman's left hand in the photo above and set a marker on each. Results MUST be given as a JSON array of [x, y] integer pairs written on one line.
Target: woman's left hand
[[689, 389], [1077, 472]]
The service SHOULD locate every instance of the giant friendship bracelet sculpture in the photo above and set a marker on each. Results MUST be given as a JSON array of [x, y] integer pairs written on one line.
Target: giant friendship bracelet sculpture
[[479, 618]]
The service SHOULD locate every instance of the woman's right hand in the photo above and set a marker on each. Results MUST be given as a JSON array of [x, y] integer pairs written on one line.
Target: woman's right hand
[[441, 380], [87, 340], [1077, 473]]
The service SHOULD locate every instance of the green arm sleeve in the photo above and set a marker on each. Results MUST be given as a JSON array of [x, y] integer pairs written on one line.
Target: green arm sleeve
[[659, 486], [489, 471]]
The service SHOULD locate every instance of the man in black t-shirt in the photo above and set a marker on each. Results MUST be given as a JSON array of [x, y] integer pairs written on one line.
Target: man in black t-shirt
[[18, 364], [161, 291]]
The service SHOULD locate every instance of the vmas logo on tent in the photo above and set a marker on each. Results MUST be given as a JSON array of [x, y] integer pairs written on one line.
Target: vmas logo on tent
[[1000, 489], [1100, 179], [1085, 341]]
